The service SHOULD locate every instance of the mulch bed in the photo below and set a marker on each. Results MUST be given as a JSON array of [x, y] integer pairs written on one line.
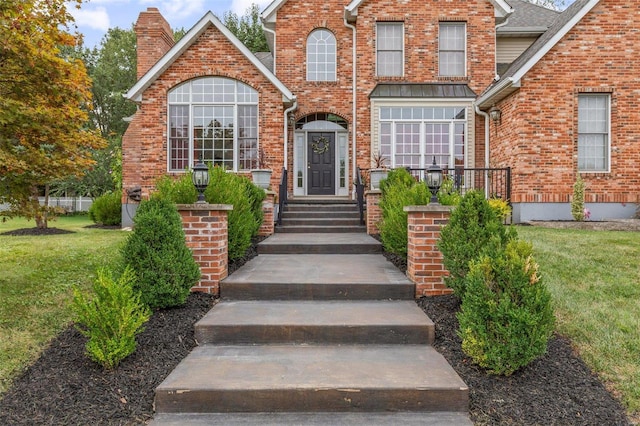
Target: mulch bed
[[36, 231], [64, 387]]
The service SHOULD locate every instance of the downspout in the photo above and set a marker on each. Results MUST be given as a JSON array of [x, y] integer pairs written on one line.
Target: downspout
[[487, 133], [264, 27], [354, 110], [286, 130]]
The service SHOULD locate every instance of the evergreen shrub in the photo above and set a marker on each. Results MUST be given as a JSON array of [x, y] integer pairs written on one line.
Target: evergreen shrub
[[179, 191], [107, 209], [112, 319], [157, 252], [447, 194], [473, 223], [577, 203], [506, 318], [399, 189]]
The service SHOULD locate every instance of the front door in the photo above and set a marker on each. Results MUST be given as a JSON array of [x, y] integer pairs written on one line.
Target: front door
[[321, 163]]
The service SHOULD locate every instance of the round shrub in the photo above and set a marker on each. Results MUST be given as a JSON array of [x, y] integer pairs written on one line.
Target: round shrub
[[471, 226], [107, 209], [179, 191], [506, 318], [246, 217], [399, 189], [158, 254]]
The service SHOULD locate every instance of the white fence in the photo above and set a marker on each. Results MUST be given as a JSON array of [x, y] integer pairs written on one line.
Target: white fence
[[69, 204]]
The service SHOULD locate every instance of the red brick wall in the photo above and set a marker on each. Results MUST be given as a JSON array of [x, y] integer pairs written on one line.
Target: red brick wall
[[145, 142], [268, 208], [374, 213], [154, 38], [537, 136]]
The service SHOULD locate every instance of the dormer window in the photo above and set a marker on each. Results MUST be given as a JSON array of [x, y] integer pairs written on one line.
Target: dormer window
[[452, 50], [321, 56], [390, 49]]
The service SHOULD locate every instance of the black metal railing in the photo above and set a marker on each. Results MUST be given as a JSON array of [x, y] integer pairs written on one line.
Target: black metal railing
[[282, 195], [360, 193], [495, 183]]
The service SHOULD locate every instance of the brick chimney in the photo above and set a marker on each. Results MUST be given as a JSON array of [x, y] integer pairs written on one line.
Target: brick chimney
[[154, 38]]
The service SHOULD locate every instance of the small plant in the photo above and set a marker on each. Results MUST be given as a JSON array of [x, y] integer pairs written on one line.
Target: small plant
[[112, 319], [157, 251], [261, 160], [506, 318], [447, 194], [471, 226], [502, 207], [378, 161], [107, 209], [400, 189], [577, 204]]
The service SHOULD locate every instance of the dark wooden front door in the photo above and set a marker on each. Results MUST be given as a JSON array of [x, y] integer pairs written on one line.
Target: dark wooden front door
[[321, 156]]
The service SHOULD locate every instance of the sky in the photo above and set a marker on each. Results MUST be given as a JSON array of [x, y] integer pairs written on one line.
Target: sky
[[97, 16]]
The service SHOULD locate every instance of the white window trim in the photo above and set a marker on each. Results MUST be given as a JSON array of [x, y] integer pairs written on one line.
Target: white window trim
[[335, 69], [607, 168], [402, 48]]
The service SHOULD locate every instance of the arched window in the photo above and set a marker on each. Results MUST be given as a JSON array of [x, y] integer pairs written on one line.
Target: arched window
[[321, 56], [214, 119]]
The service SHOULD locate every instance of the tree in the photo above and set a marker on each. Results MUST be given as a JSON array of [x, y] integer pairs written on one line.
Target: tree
[[247, 28], [551, 4], [44, 97]]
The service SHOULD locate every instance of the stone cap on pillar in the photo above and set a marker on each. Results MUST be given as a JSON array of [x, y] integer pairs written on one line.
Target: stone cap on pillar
[[205, 207], [429, 208], [372, 192]]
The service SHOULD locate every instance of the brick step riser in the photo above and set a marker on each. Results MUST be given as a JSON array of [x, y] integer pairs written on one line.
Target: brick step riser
[[319, 249], [297, 291], [312, 399], [321, 222], [294, 334]]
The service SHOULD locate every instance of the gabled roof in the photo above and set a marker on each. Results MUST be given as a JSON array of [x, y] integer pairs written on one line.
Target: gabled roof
[[527, 19], [502, 8], [208, 20], [510, 81]]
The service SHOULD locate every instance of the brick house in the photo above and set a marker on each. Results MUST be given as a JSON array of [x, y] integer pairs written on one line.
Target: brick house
[[412, 81]]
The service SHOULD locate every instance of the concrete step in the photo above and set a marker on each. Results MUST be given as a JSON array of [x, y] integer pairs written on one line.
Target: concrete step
[[318, 229], [313, 419], [322, 222], [321, 207], [320, 243], [320, 214], [334, 322], [317, 277], [307, 378]]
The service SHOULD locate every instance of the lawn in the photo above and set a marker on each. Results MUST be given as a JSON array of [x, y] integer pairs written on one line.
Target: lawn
[[594, 277], [36, 280]]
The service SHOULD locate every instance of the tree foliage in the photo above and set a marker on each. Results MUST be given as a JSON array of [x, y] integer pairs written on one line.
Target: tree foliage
[[247, 28], [44, 98], [550, 4]]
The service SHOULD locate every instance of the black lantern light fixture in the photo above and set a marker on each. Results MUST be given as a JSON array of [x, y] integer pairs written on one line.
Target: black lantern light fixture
[[200, 179], [434, 180]]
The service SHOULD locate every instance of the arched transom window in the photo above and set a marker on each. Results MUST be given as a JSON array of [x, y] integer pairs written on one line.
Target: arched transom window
[[214, 119], [321, 56]]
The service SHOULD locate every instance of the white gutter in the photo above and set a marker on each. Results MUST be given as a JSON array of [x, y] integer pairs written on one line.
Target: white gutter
[[264, 27], [286, 130], [354, 110], [487, 133]]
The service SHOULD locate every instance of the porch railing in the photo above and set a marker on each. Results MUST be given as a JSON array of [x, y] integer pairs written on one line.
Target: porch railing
[[495, 183], [282, 195], [360, 193]]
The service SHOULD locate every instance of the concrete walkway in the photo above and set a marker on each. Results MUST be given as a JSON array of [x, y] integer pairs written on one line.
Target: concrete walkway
[[315, 339]]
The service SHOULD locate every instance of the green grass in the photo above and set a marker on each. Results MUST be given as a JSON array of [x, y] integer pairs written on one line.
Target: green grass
[[594, 277], [36, 280]]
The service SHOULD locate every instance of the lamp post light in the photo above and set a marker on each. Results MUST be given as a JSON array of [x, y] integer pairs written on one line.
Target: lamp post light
[[434, 180], [200, 179]]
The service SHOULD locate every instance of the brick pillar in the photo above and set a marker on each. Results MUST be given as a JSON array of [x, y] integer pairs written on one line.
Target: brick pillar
[[374, 214], [268, 207], [205, 227], [424, 260]]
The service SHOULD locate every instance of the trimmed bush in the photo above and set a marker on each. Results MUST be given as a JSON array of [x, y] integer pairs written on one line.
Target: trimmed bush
[[399, 189], [112, 319], [471, 226], [447, 194], [502, 207], [179, 191], [107, 209], [246, 217], [157, 252], [506, 318]]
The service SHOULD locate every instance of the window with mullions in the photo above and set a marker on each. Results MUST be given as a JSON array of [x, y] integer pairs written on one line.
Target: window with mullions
[[593, 132], [452, 49], [390, 49], [321, 56], [214, 119], [412, 137]]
